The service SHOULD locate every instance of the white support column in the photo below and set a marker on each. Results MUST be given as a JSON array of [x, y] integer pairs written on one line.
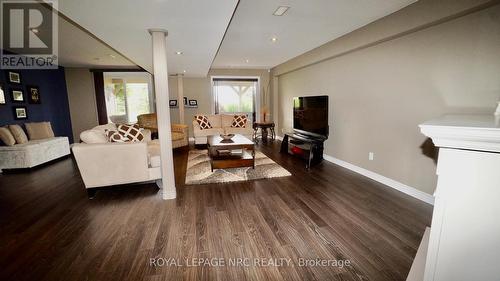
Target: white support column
[[160, 74], [275, 102], [180, 96]]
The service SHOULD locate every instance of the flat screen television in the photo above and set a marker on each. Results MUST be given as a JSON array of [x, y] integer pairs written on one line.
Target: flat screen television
[[310, 115]]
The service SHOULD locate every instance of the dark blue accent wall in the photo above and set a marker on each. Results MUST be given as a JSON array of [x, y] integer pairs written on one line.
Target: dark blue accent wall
[[54, 105]]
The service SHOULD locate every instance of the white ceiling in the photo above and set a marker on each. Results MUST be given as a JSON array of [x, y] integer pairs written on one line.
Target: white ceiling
[[195, 27], [305, 26], [77, 48]]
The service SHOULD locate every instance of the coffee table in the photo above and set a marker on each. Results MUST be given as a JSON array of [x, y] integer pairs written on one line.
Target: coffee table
[[222, 157]]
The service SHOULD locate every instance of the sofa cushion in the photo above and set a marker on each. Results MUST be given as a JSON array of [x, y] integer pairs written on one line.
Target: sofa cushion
[[239, 121], [209, 132], [132, 132], [226, 120], [6, 136], [93, 136], [39, 130], [18, 134], [215, 120], [203, 122]]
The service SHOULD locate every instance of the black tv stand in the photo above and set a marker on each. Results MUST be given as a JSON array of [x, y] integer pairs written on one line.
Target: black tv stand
[[309, 148]]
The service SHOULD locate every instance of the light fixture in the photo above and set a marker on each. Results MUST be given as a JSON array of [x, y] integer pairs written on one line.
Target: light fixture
[[247, 60], [178, 53], [274, 39], [281, 10], [184, 71]]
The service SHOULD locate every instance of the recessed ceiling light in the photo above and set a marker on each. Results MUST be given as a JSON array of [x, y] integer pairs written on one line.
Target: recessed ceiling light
[[281, 10], [184, 71], [274, 39], [247, 60], [179, 53]]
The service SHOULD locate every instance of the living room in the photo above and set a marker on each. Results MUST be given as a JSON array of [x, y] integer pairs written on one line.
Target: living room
[[259, 140]]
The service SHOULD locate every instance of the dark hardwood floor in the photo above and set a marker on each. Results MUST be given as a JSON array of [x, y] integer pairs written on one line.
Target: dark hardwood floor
[[51, 231]]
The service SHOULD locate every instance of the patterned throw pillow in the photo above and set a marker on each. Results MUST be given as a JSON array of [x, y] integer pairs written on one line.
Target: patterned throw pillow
[[114, 136], [132, 132], [239, 121], [203, 122], [125, 133]]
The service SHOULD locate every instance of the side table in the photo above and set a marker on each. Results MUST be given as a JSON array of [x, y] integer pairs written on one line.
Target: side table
[[264, 127]]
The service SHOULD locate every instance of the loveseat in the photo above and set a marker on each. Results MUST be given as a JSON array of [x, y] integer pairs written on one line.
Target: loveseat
[[104, 163], [221, 124]]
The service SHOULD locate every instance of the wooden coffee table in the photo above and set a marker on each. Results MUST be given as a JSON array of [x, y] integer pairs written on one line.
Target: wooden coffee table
[[222, 154]]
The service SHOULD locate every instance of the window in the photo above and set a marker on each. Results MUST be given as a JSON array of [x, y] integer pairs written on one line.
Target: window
[[128, 94], [235, 96]]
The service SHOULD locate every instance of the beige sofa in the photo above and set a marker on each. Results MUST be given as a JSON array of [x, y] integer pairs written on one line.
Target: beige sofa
[[103, 163], [221, 124]]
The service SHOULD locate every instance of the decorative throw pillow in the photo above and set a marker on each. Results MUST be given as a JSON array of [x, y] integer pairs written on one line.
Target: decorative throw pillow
[[239, 121], [114, 136], [18, 134], [6, 136], [39, 130], [203, 122], [93, 136], [132, 132], [125, 133]]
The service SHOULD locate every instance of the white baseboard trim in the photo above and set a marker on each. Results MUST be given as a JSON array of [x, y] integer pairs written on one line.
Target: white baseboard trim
[[413, 192]]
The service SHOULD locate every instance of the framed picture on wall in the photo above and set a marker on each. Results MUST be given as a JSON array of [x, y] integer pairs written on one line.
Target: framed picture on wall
[[20, 112], [17, 95], [2, 95], [14, 77], [193, 103], [33, 94], [172, 103]]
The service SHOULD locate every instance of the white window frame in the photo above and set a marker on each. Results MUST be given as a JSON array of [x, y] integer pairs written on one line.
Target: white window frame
[[257, 93], [125, 75]]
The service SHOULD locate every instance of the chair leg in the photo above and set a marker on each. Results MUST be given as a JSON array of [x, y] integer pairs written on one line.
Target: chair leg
[[91, 193]]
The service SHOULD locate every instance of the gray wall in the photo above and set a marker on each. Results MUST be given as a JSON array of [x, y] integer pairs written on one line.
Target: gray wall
[[81, 96], [415, 65]]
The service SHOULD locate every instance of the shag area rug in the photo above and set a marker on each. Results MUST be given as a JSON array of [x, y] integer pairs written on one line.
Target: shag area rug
[[198, 170]]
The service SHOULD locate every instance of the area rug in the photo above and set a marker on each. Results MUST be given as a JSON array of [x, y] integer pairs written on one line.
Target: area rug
[[198, 170]]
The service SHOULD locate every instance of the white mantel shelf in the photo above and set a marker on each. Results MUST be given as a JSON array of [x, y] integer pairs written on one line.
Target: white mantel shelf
[[465, 232], [474, 132]]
